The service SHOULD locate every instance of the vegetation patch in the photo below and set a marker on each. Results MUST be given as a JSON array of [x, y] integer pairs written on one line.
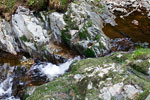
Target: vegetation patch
[[37, 4], [24, 38], [66, 37], [84, 34], [59, 5], [89, 52], [142, 67]]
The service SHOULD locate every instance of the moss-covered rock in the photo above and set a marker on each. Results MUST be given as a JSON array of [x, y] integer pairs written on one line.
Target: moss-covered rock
[[103, 78], [84, 25]]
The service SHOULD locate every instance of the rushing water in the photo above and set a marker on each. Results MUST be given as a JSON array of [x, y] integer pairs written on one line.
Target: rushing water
[[14, 79]]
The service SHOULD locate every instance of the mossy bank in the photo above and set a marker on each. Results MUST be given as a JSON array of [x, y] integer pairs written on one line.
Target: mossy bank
[[119, 76]]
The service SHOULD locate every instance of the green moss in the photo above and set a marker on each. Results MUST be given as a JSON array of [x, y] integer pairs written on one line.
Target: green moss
[[70, 24], [82, 87], [67, 83], [90, 23], [38, 4], [143, 95], [141, 66], [64, 2], [66, 37], [31, 2], [139, 52], [24, 38], [89, 53], [102, 45], [10, 4], [97, 37], [133, 79], [84, 34], [121, 59], [44, 48]]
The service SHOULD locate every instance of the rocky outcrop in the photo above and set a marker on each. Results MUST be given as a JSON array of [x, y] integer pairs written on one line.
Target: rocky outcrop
[[34, 38], [106, 78], [7, 40], [80, 28], [28, 30]]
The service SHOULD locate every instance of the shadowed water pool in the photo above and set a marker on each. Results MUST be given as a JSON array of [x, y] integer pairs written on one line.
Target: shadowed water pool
[[135, 26]]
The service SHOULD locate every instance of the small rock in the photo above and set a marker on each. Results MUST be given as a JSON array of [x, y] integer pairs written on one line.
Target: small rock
[[77, 76], [131, 91], [90, 85], [148, 98], [135, 22]]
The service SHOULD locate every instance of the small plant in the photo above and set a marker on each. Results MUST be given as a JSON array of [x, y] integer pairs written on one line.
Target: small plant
[[84, 34], [44, 48], [31, 2], [37, 4], [89, 53], [66, 37], [24, 38]]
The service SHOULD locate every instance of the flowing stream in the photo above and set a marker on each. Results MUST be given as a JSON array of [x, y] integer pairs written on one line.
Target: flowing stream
[[14, 77]]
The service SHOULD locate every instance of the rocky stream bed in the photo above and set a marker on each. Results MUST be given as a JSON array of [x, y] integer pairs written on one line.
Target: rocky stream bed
[[75, 50]]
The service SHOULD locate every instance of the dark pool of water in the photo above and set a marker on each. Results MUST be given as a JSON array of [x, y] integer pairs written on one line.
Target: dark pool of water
[[9, 58], [125, 27]]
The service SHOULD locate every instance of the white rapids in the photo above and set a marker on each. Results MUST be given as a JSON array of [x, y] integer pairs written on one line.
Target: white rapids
[[51, 70], [6, 86]]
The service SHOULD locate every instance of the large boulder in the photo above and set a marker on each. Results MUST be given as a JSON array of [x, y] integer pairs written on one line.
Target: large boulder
[[34, 38], [104, 78], [80, 28]]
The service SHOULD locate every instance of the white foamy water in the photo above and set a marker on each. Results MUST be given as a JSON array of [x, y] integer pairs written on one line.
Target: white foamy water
[[52, 70], [6, 85], [6, 89], [45, 69]]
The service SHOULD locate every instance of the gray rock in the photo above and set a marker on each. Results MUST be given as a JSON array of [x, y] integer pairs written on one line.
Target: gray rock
[[7, 41], [148, 98], [34, 38], [83, 30]]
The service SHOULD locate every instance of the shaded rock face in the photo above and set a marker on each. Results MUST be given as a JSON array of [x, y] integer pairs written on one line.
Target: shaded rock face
[[103, 78]]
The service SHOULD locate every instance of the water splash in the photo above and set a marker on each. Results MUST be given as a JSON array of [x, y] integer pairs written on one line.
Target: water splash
[[7, 83], [49, 70]]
